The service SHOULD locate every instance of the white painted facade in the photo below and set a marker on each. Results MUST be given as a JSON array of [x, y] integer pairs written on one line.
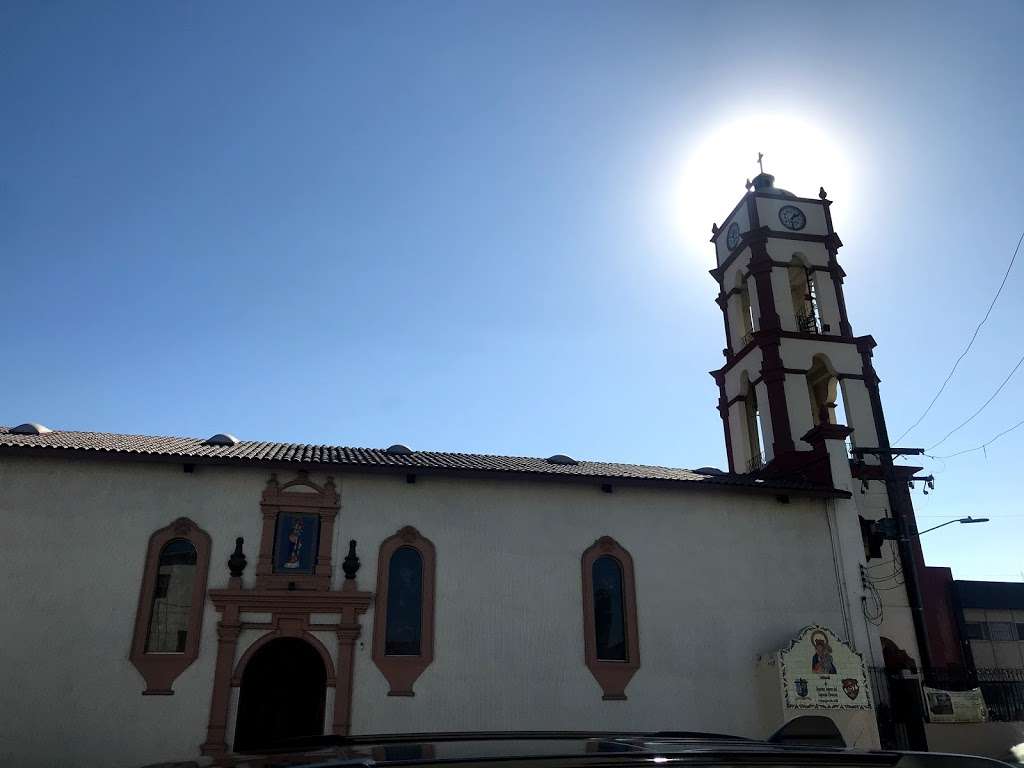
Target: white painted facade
[[721, 577]]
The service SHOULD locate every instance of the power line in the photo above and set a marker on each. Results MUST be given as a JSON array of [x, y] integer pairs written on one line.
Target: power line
[[981, 447], [969, 344], [984, 405], [993, 516]]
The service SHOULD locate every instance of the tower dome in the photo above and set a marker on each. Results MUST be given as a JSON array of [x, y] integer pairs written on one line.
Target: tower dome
[[765, 182]]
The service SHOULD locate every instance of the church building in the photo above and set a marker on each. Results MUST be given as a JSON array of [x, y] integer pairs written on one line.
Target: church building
[[173, 599]]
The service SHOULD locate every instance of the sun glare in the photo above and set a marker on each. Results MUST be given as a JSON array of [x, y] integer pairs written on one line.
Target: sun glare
[[803, 155]]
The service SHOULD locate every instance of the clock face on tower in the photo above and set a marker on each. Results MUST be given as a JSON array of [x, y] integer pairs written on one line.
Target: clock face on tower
[[732, 237], [792, 217]]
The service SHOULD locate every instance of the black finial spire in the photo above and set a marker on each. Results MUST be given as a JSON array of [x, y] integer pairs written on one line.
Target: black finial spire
[[237, 561], [350, 565], [759, 156]]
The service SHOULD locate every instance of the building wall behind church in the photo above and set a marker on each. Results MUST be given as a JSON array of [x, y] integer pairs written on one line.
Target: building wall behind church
[[720, 578]]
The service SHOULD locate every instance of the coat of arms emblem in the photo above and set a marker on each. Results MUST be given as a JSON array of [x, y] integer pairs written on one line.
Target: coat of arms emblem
[[851, 687], [801, 687]]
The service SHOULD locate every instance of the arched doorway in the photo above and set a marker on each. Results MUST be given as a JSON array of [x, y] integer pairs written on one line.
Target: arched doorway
[[284, 686]]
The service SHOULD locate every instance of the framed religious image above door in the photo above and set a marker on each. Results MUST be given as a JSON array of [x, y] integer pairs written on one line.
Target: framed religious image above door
[[298, 531], [295, 545]]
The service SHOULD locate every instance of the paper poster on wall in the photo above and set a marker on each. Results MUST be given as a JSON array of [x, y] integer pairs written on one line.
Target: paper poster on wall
[[820, 671], [955, 706]]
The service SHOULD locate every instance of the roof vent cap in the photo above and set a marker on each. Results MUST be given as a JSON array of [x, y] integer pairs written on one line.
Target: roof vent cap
[[30, 428], [399, 449], [222, 438], [709, 471], [561, 458]]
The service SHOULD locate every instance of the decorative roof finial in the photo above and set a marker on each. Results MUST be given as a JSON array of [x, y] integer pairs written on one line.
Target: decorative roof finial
[[762, 180], [237, 561], [350, 565]]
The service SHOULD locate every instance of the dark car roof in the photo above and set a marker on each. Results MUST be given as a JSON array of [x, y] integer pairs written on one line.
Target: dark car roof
[[542, 748], [576, 750]]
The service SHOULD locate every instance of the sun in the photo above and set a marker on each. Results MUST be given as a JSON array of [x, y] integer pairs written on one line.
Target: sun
[[802, 154]]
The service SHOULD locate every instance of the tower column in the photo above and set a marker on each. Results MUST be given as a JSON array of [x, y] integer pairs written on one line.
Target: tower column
[[761, 269], [901, 506], [837, 273], [773, 374], [723, 303], [723, 410]]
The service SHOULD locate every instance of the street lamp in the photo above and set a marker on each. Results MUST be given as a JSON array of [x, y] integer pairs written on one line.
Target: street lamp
[[964, 520]]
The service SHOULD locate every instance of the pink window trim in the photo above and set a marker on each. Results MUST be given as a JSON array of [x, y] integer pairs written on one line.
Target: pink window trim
[[402, 671], [612, 676], [160, 670]]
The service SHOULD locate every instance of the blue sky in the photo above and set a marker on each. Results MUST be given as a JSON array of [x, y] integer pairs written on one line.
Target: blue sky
[[458, 225]]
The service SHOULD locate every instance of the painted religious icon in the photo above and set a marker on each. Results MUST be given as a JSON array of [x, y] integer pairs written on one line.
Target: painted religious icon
[[821, 662], [296, 543]]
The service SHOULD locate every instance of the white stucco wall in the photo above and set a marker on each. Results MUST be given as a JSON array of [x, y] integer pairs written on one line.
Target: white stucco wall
[[75, 537], [828, 303], [812, 253], [783, 298], [720, 578], [858, 415], [751, 365], [799, 353], [738, 434], [736, 270], [897, 623], [764, 419], [798, 402]]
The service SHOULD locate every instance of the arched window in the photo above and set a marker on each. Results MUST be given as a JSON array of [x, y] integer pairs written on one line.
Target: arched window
[[405, 603], [803, 295], [610, 635], [752, 413], [403, 624], [746, 310], [822, 387], [609, 610], [171, 601], [172, 598]]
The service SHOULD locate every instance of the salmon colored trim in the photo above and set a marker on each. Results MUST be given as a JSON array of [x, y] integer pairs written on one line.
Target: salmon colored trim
[[612, 676], [160, 670], [290, 617], [402, 671], [322, 501], [252, 650]]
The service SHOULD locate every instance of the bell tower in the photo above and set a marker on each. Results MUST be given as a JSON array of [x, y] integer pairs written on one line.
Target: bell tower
[[791, 361], [790, 354]]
